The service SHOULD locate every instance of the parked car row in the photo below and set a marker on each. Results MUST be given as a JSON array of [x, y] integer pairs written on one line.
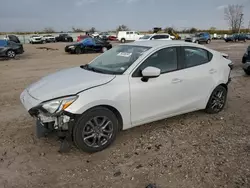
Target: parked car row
[[237, 37]]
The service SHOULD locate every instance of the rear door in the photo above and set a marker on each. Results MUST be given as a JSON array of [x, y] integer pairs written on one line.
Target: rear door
[[197, 75]]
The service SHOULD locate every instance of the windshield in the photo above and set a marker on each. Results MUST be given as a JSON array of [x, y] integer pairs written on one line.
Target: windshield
[[117, 60], [35, 36], [146, 37]]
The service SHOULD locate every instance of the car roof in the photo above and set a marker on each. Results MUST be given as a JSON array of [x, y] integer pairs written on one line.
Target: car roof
[[161, 43]]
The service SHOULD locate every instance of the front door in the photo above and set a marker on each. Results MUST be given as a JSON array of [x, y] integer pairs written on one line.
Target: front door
[[158, 97]]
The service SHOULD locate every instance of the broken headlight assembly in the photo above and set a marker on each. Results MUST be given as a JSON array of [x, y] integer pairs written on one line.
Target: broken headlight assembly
[[58, 105]]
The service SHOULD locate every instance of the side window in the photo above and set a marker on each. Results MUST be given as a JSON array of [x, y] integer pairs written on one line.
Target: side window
[[166, 36], [164, 59], [127, 33], [156, 37], [131, 32], [196, 56]]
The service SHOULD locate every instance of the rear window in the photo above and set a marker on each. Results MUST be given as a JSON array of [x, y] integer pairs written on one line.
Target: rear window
[[3, 43]]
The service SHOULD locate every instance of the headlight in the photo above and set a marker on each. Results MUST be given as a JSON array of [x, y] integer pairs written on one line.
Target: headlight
[[57, 105], [72, 47]]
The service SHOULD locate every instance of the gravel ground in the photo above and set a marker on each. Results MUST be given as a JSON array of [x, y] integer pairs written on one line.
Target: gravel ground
[[194, 150]]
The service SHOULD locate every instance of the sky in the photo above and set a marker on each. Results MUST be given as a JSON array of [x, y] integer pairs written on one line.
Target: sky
[[62, 15]]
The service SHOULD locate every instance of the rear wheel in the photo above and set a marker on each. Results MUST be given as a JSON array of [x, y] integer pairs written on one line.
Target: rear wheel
[[208, 41], [96, 130], [123, 40], [247, 71], [104, 49], [11, 54], [217, 100]]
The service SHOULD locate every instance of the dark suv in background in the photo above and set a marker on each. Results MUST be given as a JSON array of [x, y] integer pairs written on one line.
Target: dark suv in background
[[64, 38], [203, 37]]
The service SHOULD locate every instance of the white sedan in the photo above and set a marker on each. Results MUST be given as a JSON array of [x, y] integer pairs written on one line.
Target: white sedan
[[129, 85]]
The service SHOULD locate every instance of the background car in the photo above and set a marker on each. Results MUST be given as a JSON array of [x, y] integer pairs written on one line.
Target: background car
[[199, 38], [112, 38], [248, 36], [10, 49], [124, 36], [36, 39], [49, 38], [64, 37], [161, 36], [246, 61], [81, 37], [88, 45], [236, 37], [127, 86]]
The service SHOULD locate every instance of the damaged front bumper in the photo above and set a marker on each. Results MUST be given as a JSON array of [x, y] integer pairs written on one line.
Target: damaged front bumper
[[61, 122]]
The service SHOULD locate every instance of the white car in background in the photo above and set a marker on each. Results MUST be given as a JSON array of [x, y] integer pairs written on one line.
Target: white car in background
[[49, 38], [161, 36], [129, 85], [34, 39], [126, 36]]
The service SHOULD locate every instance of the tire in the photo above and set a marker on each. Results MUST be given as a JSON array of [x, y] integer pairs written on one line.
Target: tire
[[247, 71], [217, 100], [11, 54], [123, 40], [197, 42], [86, 123], [208, 41], [104, 49], [78, 50], [44, 41]]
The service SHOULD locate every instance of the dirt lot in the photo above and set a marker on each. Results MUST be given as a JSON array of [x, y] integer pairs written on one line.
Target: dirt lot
[[194, 150]]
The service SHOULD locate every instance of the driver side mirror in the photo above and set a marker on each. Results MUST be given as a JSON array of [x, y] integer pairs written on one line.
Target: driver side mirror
[[150, 72]]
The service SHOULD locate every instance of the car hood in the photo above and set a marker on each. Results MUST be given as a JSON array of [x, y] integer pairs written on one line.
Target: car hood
[[67, 82]]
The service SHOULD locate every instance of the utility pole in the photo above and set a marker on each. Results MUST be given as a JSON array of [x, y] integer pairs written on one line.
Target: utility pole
[[241, 16]]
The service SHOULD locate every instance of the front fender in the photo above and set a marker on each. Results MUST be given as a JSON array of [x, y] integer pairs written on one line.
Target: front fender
[[114, 94]]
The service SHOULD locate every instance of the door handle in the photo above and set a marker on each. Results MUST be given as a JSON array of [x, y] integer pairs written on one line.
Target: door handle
[[176, 80], [212, 71]]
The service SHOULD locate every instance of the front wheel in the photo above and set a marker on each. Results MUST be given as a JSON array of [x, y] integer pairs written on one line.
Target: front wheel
[[78, 50], [217, 100], [95, 130], [208, 41]]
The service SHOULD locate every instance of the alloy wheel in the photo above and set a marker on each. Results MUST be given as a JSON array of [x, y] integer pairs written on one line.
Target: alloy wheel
[[11, 54], [97, 131], [218, 100]]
